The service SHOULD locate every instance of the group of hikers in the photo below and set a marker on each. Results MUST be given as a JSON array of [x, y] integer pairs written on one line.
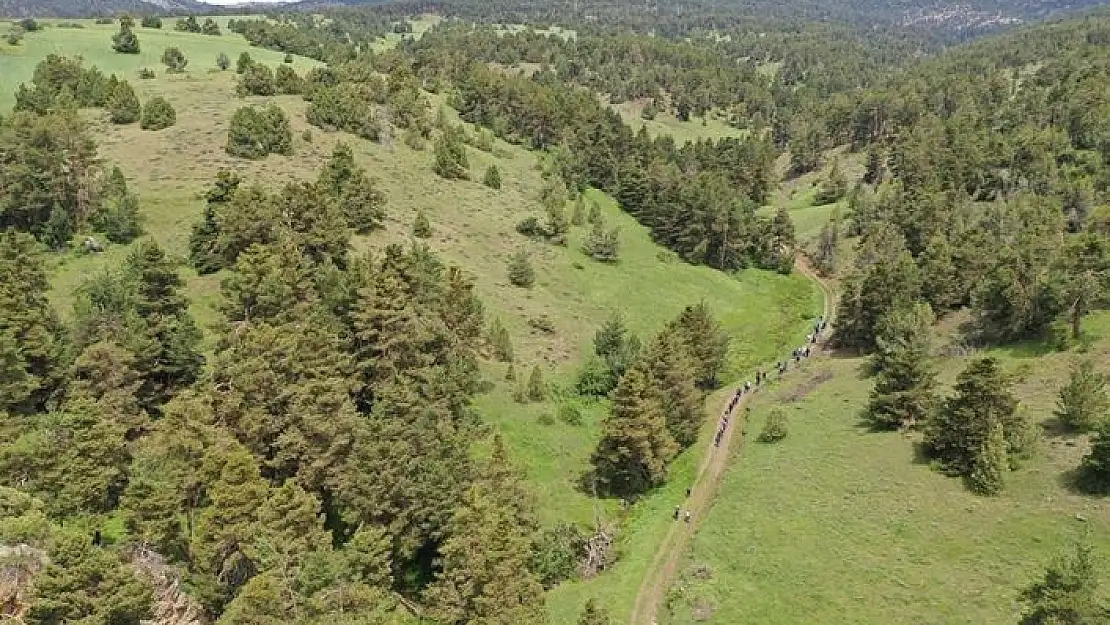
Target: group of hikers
[[760, 377]]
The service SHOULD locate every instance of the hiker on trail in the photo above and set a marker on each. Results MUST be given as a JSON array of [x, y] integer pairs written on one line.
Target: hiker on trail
[[747, 386], [717, 439], [688, 491], [807, 352], [678, 510], [687, 516]]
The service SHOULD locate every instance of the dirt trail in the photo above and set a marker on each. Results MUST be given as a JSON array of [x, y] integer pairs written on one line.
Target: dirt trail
[[711, 470]]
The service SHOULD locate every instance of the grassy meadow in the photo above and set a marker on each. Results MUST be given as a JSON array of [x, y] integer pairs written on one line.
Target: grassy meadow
[[839, 524], [552, 324]]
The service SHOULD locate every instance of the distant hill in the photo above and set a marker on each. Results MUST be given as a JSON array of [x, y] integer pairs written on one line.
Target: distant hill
[[92, 8]]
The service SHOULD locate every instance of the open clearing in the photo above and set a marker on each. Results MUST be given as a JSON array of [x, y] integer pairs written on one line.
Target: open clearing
[[838, 524]]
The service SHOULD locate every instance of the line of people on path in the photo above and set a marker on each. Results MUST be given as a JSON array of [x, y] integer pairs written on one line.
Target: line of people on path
[[747, 388]]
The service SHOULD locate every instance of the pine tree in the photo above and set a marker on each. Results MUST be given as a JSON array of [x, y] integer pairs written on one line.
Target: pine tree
[[707, 341], [834, 187], [988, 471], [956, 433], [123, 105], [486, 576], [602, 245], [781, 242], [594, 614], [775, 428], [105, 373], [450, 160], [578, 214], [203, 242], [939, 278], [672, 372], [1095, 468], [1068, 594], [223, 62], [556, 225], [537, 388], [118, 216], [635, 446], [595, 213], [903, 395], [828, 243], [421, 227], [243, 63], [500, 341], [1083, 401], [492, 178], [125, 41], [174, 60], [875, 165], [520, 270]]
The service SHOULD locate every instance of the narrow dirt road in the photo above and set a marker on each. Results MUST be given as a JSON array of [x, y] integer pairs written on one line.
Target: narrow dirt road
[[711, 470]]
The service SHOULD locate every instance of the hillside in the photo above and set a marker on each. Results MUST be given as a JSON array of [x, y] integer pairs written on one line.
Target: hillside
[[92, 8]]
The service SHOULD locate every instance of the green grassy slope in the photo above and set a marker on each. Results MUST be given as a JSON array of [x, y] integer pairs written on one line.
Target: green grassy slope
[[837, 524], [473, 227]]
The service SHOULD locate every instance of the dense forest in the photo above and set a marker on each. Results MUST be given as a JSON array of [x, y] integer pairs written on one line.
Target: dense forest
[[320, 459]]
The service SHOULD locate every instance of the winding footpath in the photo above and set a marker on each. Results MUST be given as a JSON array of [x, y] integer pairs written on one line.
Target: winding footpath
[[711, 470]]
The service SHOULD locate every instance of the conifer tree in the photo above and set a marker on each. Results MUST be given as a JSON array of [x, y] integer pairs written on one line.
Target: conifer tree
[[537, 388], [988, 471], [520, 270], [875, 165], [781, 242], [123, 105], [125, 41], [956, 433], [775, 428], [578, 214], [672, 372], [635, 446], [707, 341], [500, 341], [174, 60], [203, 242], [889, 283], [1095, 468], [243, 63], [595, 213], [903, 395], [834, 186], [223, 62], [105, 373], [118, 216], [617, 348], [594, 614], [940, 284], [1067, 594], [421, 227], [828, 243], [556, 224], [1083, 401], [450, 160], [486, 577], [601, 244], [492, 179]]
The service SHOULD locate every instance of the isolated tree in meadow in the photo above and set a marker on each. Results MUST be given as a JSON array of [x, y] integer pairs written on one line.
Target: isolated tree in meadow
[[991, 464], [362, 204], [904, 392], [123, 105], [1068, 594], [776, 427], [210, 27], [450, 160], [1083, 401], [287, 82], [223, 62], [602, 245], [537, 388], [421, 227], [635, 446], [520, 270], [492, 179], [1094, 471], [256, 79], [243, 63], [957, 433], [157, 114], [499, 341], [125, 41], [187, 25], [174, 60], [594, 614], [151, 21]]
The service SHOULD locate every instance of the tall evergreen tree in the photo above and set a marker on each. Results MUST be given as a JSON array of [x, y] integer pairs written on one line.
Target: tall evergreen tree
[[1083, 401], [486, 576], [957, 433], [672, 372], [707, 341], [635, 446], [1095, 467], [903, 395], [1068, 594], [988, 471]]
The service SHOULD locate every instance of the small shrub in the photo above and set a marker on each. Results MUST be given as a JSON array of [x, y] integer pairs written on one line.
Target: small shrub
[[104, 21], [125, 41], [542, 323], [174, 60], [14, 37], [520, 270], [123, 104], [255, 132], [510, 373], [151, 21], [187, 25], [450, 156], [545, 418], [500, 342], [578, 214], [346, 107], [147, 74], [286, 81], [413, 139], [492, 178], [157, 114], [483, 140], [775, 428], [537, 388], [29, 25], [307, 136], [556, 554], [288, 59], [570, 414], [210, 27], [223, 62], [530, 227], [421, 227], [595, 213]]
